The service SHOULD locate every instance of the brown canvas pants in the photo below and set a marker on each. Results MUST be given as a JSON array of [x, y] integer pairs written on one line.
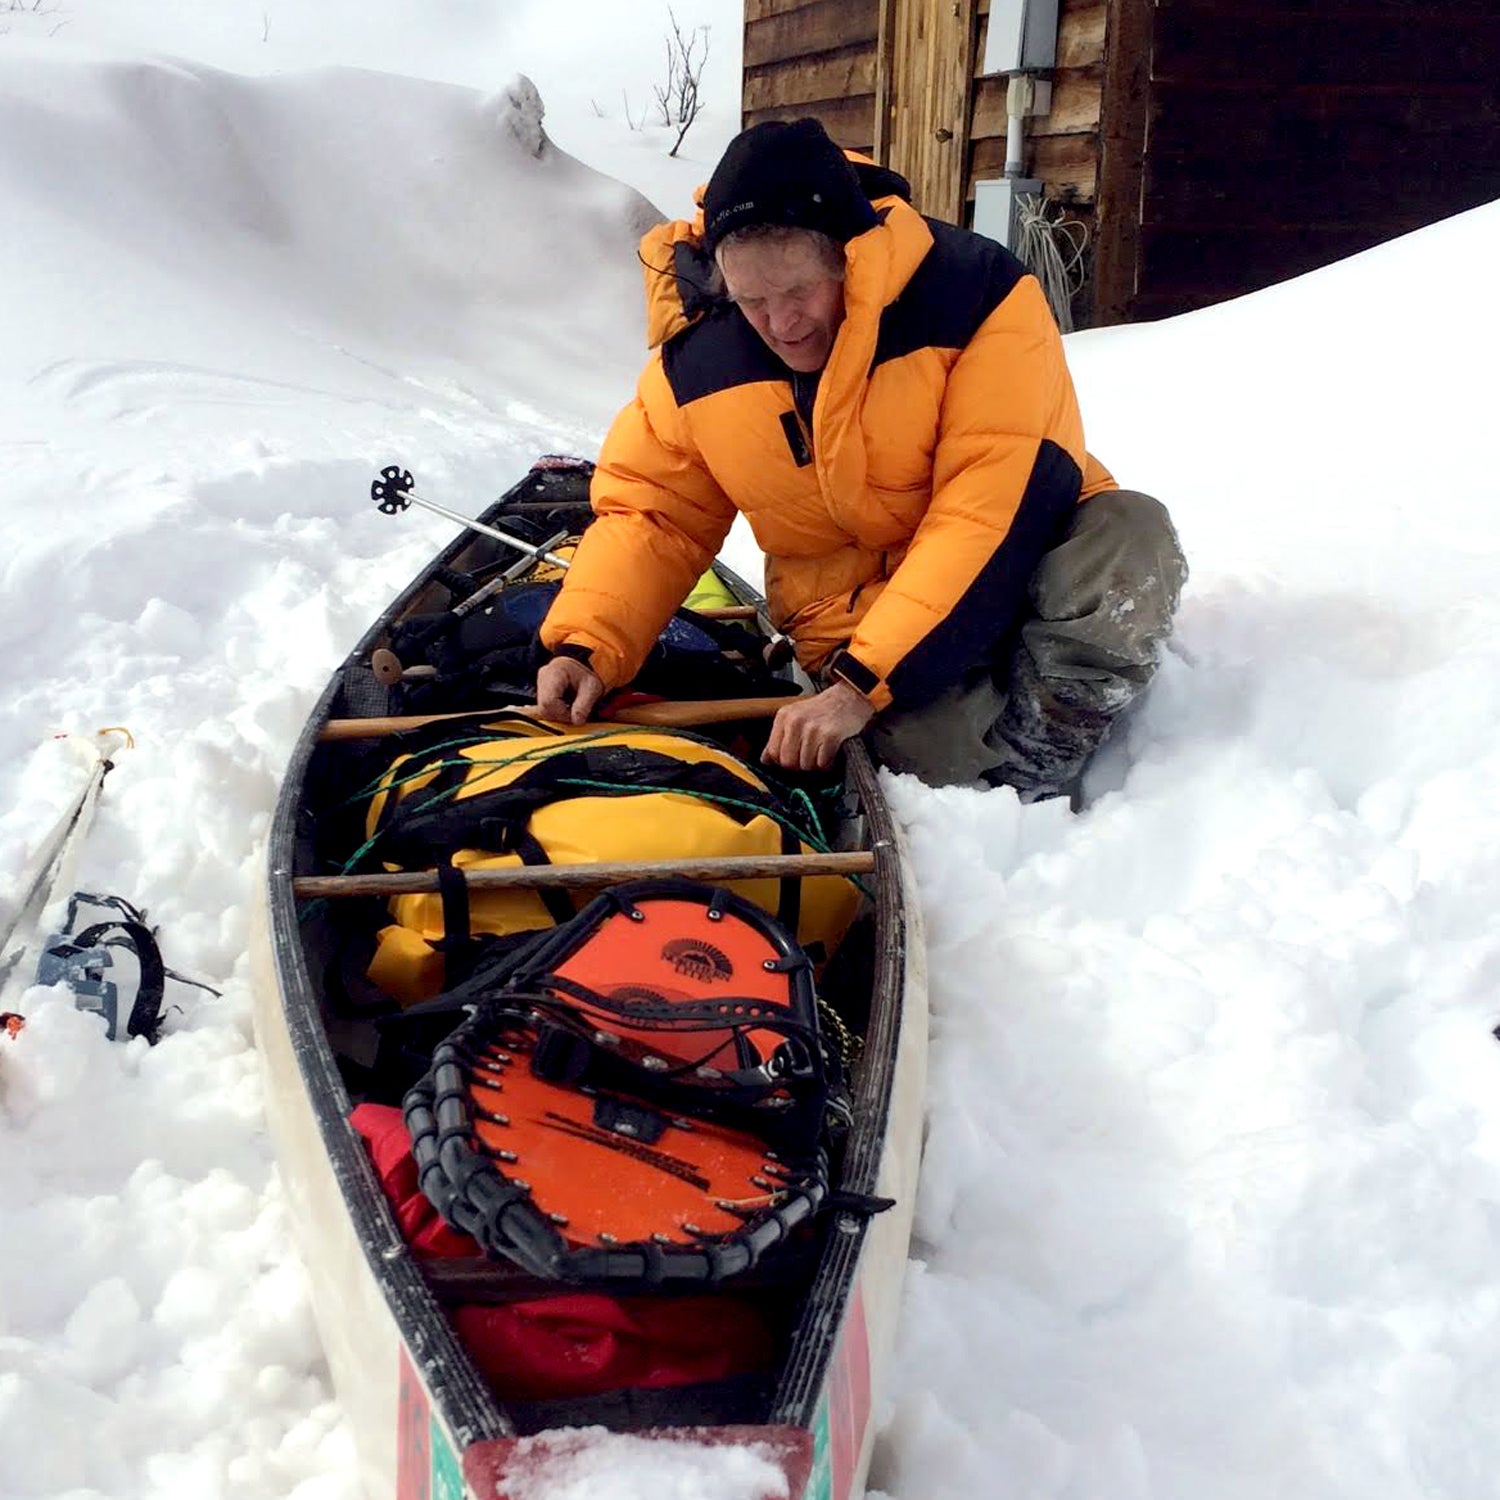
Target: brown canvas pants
[[1099, 607]]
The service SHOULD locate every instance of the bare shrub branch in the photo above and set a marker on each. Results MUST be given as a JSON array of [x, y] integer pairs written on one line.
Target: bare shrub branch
[[680, 98]]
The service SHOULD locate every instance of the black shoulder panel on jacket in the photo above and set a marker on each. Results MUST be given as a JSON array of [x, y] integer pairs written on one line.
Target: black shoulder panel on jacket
[[980, 624], [962, 280], [717, 354]]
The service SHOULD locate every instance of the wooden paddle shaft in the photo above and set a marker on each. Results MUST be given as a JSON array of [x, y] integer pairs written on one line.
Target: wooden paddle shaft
[[538, 877], [662, 715], [728, 612]]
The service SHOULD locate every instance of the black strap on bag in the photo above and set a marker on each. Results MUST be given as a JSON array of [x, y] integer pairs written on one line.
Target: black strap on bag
[[425, 825], [435, 817]]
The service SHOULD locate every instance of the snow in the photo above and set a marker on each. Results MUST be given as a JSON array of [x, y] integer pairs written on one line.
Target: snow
[[591, 1463], [1211, 1194]]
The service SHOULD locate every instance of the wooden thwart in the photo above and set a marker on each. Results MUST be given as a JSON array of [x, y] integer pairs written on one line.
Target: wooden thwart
[[662, 715], [584, 876]]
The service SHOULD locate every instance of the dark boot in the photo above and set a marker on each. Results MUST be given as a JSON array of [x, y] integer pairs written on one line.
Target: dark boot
[[1048, 729], [1102, 606]]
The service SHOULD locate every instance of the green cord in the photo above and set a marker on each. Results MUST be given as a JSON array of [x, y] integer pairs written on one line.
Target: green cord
[[817, 839], [540, 751], [750, 807]]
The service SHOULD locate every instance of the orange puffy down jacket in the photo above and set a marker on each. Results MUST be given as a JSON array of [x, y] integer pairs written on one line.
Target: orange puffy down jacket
[[945, 454]]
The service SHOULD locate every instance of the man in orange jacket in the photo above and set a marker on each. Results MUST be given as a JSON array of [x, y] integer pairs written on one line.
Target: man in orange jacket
[[885, 398]]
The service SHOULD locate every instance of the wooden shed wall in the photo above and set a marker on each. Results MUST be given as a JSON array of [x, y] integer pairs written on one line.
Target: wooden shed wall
[[1062, 146], [820, 57], [813, 57], [1285, 134], [1212, 147]]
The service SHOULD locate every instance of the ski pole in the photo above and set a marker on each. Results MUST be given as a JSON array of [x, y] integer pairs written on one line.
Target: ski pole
[[393, 492], [51, 871]]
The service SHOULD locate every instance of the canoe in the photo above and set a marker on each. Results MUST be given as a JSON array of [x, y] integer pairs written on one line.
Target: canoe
[[425, 1421]]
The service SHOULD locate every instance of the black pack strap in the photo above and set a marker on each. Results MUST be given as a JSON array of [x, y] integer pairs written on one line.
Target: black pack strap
[[498, 958], [524, 843], [783, 1101], [434, 817], [435, 748], [453, 889], [447, 773], [864, 1205], [456, 943], [722, 1011], [789, 906]]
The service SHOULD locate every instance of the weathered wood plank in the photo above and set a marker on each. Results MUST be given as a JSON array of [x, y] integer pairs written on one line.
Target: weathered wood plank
[[1066, 165], [988, 118], [1219, 122], [885, 95], [932, 76], [1420, 14], [849, 121], [824, 26], [1081, 29], [1289, 133], [1122, 150], [1313, 196], [830, 75], [1191, 260], [1322, 48], [1076, 104], [758, 10]]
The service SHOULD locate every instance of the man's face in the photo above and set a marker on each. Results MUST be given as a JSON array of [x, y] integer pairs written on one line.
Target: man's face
[[789, 296]]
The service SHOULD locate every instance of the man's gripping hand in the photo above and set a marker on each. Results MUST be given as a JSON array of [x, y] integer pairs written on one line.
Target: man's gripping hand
[[567, 691], [806, 735]]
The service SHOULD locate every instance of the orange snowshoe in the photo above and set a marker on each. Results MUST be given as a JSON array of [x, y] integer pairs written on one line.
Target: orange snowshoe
[[647, 1100]]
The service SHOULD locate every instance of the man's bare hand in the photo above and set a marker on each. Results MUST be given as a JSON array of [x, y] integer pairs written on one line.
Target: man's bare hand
[[567, 691], [806, 735]]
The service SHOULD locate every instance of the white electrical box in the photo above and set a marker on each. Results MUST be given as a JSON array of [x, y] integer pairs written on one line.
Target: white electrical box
[[1022, 36], [996, 211]]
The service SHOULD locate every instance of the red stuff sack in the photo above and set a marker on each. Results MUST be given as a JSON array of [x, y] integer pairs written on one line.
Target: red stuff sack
[[576, 1344]]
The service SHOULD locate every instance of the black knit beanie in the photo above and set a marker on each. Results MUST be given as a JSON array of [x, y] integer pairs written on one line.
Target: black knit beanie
[[785, 172]]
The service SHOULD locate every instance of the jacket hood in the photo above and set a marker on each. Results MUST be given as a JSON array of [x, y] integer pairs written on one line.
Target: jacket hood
[[679, 272]]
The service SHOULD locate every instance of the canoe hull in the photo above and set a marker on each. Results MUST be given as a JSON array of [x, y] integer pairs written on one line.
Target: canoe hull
[[424, 1422], [405, 1448]]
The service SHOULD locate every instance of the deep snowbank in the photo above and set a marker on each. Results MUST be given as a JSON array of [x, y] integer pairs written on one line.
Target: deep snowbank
[[1331, 434], [229, 301], [378, 240], [1212, 1187]]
